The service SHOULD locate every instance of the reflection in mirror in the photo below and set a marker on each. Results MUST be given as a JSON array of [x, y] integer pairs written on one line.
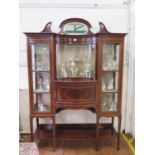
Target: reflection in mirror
[[75, 28]]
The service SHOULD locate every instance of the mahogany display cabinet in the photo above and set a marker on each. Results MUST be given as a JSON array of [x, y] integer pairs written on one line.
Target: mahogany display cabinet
[[75, 69]]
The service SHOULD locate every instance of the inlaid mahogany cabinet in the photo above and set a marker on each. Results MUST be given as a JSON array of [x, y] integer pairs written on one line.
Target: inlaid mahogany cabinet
[[75, 69]]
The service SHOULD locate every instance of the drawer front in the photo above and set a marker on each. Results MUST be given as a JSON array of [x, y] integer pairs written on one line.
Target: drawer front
[[75, 93]]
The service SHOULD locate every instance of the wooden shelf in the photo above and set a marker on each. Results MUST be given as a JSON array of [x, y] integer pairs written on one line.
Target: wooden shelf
[[45, 131], [69, 132], [76, 134]]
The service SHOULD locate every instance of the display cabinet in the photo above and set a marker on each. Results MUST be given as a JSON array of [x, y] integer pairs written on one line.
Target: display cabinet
[[75, 69]]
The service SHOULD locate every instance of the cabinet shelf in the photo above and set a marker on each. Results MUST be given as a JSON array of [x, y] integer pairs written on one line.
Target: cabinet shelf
[[40, 70], [37, 91], [44, 130], [110, 70], [109, 91], [77, 132]]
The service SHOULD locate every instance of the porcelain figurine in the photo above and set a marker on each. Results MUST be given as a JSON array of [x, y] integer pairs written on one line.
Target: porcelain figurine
[[88, 71], [63, 71]]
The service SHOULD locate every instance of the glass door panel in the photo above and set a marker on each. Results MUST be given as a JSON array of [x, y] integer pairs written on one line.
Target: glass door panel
[[110, 76], [40, 56], [110, 56], [75, 60], [41, 77]]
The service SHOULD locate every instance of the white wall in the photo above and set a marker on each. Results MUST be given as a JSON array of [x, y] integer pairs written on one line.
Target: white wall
[[117, 17]]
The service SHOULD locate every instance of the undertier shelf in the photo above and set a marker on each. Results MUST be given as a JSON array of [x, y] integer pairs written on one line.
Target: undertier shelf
[[70, 131], [76, 134], [44, 131]]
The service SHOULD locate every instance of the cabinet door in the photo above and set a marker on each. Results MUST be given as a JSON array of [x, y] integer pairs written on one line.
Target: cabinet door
[[40, 77], [75, 61], [111, 67]]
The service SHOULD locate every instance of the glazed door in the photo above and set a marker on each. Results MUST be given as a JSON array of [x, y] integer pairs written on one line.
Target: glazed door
[[111, 76], [75, 61], [40, 76]]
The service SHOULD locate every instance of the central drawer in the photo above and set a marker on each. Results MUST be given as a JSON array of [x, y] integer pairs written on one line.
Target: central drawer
[[75, 93]]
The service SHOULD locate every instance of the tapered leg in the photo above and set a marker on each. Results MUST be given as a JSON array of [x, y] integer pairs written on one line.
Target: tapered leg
[[97, 133], [54, 134], [112, 125], [118, 134], [37, 122], [31, 127]]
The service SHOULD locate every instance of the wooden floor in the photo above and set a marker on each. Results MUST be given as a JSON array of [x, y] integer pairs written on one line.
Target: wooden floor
[[107, 146]]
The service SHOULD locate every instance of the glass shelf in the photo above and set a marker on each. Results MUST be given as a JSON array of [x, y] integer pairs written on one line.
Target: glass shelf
[[109, 91], [41, 91]]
